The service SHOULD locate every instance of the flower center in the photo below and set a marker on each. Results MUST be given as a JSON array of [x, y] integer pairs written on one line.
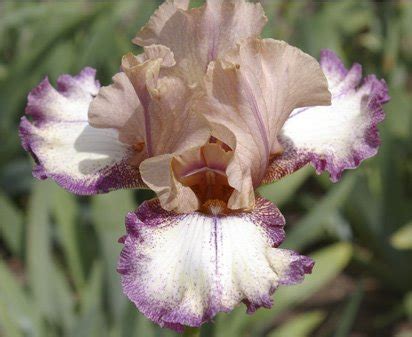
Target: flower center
[[204, 171]]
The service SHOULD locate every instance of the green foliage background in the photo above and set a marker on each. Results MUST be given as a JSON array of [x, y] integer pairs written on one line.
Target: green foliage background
[[58, 252]]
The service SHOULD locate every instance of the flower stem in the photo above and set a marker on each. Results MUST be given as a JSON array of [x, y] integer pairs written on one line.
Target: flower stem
[[191, 332]]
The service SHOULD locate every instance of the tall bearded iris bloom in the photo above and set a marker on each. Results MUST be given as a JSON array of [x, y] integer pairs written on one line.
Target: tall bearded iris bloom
[[206, 114]]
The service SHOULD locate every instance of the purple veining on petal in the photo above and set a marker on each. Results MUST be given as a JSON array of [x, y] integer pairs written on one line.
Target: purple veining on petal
[[215, 234], [212, 38], [190, 172], [150, 216], [211, 32], [145, 101], [247, 92], [271, 219]]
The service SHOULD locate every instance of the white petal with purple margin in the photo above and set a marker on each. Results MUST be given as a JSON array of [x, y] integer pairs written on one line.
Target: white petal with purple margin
[[335, 137], [82, 159], [182, 269]]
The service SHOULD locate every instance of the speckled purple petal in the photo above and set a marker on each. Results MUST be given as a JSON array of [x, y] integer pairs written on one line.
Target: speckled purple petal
[[65, 148], [182, 269], [339, 136]]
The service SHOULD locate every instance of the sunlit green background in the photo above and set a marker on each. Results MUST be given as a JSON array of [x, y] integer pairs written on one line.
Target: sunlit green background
[[59, 252]]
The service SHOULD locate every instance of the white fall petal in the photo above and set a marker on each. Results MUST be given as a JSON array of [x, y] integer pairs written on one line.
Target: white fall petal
[[80, 158], [182, 269]]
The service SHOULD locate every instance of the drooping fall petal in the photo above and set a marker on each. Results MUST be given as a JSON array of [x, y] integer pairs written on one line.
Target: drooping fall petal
[[182, 269], [250, 93], [339, 136], [80, 158], [199, 35]]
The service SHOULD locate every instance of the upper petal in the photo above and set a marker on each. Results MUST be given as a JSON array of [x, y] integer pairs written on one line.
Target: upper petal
[[82, 159], [171, 126], [339, 136], [182, 269], [198, 36], [150, 33], [252, 90]]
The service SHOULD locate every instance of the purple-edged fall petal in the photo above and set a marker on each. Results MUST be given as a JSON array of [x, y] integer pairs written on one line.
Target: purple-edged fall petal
[[199, 35], [171, 127], [251, 91], [80, 158], [182, 269], [336, 137]]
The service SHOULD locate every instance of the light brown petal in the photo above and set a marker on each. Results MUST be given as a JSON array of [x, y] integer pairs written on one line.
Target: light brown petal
[[171, 127], [251, 91], [198, 36], [117, 106], [157, 51], [158, 175], [158, 20]]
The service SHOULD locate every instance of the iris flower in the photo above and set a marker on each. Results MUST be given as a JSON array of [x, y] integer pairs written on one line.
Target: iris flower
[[206, 114]]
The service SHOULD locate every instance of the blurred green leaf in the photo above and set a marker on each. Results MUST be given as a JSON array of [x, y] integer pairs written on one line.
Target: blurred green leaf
[[311, 227], [8, 326], [65, 212], [191, 332], [349, 314], [281, 191], [404, 334], [18, 304], [402, 239], [91, 296], [144, 326], [300, 326], [398, 120], [38, 256], [133, 323], [91, 322], [109, 211], [11, 224], [65, 304], [408, 304]]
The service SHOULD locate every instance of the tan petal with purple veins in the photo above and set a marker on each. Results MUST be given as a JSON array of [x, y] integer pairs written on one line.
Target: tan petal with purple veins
[[171, 127], [251, 91], [199, 35]]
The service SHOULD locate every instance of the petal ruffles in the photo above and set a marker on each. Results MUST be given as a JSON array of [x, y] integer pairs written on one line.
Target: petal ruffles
[[171, 125], [182, 269], [80, 158], [198, 36], [335, 137]]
